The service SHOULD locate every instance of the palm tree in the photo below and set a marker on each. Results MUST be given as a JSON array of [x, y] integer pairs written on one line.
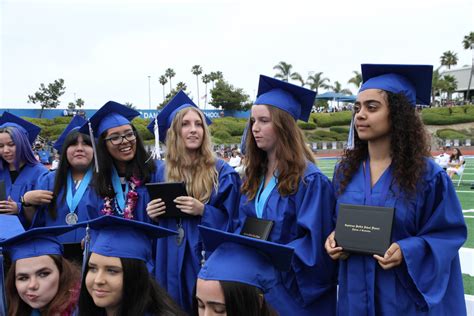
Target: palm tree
[[468, 43], [449, 85], [296, 76], [449, 59], [356, 80], [169, 73], [206, 79], [216, 76], [163, 81], [181, 86], [316, 81], [284, 71], [337, 87], [435, 84], [197, 70]]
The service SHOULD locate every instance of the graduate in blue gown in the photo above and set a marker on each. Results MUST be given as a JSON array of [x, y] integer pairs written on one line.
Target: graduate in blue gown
[[213, 188], [65, 189], [40, 281], [389, 165], [123, 165], [282, 184], [237, 274], [116, 278], [19, 170]]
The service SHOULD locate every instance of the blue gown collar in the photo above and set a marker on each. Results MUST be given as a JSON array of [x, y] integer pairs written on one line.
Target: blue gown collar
[[263, 194]]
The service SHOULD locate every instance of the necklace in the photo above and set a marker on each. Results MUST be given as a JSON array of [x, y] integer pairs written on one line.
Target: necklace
[[130, 205]]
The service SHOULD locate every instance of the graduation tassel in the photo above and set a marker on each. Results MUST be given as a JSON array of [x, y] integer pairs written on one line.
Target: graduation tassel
[[85, 257], [156, 153], [91, 134], [350, 138]]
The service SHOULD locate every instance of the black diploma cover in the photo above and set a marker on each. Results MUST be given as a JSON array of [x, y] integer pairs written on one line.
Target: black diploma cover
[[257, 228], [3, 191], [364, 229], [167, 192]]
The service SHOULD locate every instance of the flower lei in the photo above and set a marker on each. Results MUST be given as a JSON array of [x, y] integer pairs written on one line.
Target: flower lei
[[132, 198]]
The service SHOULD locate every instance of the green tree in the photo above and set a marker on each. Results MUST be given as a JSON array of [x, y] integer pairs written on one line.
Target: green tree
[[356, 80], [197, 70], [48, 97], [78, 104], [468, 43], [163, 81], [316, 81], [436, 84], [449, 58], [206, 79], [297, 77], [337, 87], [284, 71], [449, 85], [169, 73], [215, 76], [230, 98]]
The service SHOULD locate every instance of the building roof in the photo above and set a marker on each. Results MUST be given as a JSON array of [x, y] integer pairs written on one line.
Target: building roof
[[462, 77]]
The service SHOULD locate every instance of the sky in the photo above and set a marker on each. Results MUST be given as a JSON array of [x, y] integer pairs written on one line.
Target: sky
[[106, 49]]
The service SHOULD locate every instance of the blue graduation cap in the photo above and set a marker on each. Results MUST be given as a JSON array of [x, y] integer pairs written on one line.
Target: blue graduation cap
[[29, 129], [111, 114], [114, 236], [243, 259], [75, 124], [167, 114], [414, 81], [295, 100], [31, 243]]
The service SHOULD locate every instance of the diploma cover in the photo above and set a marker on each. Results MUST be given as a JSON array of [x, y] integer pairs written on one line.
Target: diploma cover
[[364, 229], [257, 228], [3, 191], [167, 192]]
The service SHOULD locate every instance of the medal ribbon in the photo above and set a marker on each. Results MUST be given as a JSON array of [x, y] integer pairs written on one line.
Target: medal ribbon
[[368, 185], [264, 194], [73, 200], [119, 193]]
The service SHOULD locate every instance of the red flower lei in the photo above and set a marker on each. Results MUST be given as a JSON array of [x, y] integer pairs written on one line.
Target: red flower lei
[[132, 198]]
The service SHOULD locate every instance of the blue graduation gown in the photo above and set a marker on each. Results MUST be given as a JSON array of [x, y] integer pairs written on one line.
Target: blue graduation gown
[[27, 180], [176, 266], [430, 229], [43, 218], [302, 220]]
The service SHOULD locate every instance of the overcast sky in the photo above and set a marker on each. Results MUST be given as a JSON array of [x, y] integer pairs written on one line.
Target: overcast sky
[[106, 49]]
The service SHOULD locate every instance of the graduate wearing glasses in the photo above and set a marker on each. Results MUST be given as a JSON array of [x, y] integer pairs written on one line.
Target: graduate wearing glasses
[[123, 164], [389, 165]]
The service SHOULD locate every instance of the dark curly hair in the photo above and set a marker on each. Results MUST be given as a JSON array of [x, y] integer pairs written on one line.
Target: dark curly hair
[[409, 147]]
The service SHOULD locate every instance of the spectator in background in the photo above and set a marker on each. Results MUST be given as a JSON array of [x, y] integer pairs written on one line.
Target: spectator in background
[[456, 160], [443, 159], [55, 163], [235, 159]]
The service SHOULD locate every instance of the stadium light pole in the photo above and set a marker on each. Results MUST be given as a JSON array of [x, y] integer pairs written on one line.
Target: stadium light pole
[[149, 93]]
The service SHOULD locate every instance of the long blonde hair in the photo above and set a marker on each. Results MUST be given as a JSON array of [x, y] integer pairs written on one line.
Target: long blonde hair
[[200, 175]]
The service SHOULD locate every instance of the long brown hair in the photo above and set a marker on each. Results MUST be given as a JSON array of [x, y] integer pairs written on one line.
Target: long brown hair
[[291, 151], [200, 175], [409, 147], [69, 279]]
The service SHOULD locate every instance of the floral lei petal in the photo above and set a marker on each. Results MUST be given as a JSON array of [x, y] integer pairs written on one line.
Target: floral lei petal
[[132, 198]]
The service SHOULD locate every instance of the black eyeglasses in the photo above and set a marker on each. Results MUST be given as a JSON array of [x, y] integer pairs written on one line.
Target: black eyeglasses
[[118, 139]]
